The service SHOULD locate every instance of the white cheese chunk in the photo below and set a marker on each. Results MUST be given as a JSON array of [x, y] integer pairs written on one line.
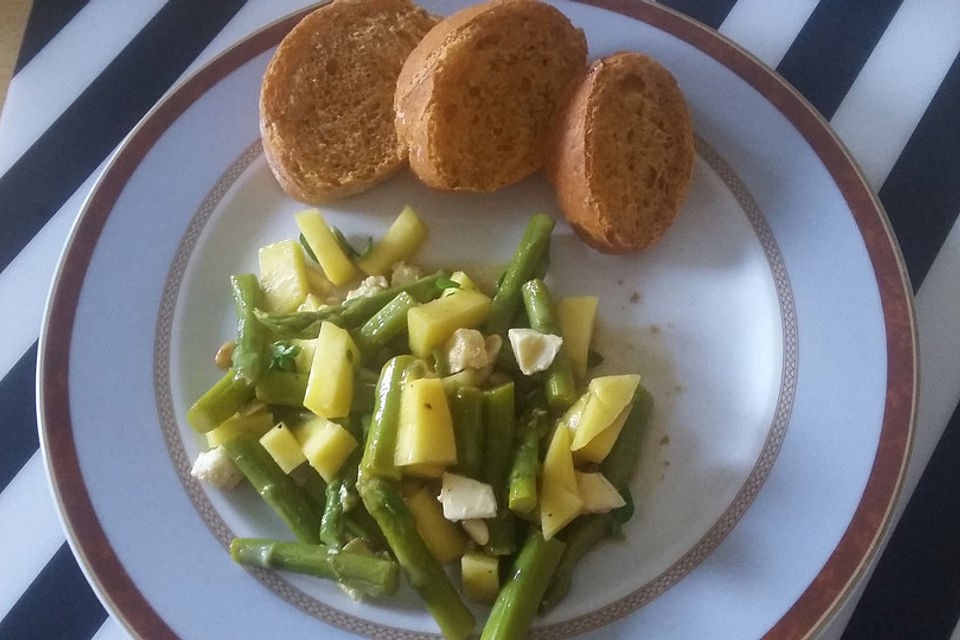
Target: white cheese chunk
[[217, 469], [402, 274], [464, 498], [534, 351], [368, 287], [466, 349], [598, 495]]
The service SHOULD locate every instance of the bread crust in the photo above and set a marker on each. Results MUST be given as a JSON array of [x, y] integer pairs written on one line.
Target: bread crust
[[326, 103], [449, 63], [621, 153]]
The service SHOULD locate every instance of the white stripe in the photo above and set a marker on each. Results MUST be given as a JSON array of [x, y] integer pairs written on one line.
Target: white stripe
[[766, 29], [29, 528], [901, 76], [111, 630], [64, 68], [26, 280], [937, 303]]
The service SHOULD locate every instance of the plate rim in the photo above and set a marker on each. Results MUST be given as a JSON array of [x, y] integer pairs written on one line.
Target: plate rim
[[860, 540]]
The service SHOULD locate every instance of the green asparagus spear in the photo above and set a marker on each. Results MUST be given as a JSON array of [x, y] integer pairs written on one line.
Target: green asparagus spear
[[619, 466], [498, 404], [423, 572], [386, 324], [252, 354], [466, 405], [333, 526], [275, 487], [378, 452], [351, 313], [558, 383], [519, 598], [368, 574], [220, 401], [525, 264], [282, 387], [523, 474]]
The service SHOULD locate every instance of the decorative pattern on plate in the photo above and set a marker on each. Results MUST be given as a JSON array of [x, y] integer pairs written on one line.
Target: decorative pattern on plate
[[604, 615]]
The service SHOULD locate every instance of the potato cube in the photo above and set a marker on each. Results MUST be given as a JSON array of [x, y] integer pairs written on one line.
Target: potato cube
[[256, 423], [576, 317], [326, 446], [283, 447], [442, 537], [330, 385], [334, 262], [283, 276], [608, 397], [399, 243], [430, 324], [598, 495], [559, 499], [480, 576], [425, 430]]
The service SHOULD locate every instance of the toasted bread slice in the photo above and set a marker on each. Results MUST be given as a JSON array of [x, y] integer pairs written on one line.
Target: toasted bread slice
[[475, 97], [326, 105], [621, 153]]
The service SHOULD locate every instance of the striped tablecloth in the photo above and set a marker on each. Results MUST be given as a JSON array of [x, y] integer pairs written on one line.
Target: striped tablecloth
[[885, 73]]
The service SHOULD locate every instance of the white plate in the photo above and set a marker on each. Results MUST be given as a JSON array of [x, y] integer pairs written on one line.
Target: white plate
[[773, 325]]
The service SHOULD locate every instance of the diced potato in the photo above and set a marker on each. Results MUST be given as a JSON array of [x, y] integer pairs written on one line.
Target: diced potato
[[283, 276], [598, 448], [424, 470], [615, 391], [608, 397], [330, 385], [425, 430], [559, 500], [399, 242], [430, 324], [256, 423], [480, 576], [334, 262], [576, 317], [319, 285], [464, 498], [598, 495], [461, 279], [304, 360], [442, 537], [283, 447], [326, 445]]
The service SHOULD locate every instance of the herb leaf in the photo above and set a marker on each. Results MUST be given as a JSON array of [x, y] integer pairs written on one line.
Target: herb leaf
[[283, 356], [447, 283], [307, 249]]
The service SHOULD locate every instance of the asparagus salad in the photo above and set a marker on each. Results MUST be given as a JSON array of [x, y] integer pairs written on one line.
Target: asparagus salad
[[419, 422]]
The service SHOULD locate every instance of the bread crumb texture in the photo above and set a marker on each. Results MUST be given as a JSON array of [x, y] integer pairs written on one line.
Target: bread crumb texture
[[622, 153], [326, 104], [475, 98]]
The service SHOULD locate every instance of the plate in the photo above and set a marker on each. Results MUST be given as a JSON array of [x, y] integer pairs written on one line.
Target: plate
[[773, 324]]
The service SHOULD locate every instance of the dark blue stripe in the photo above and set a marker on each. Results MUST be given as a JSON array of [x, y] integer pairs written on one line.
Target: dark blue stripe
[[922, 192], [47, 17], [833, 45], [58, 604], [19, 417], [711, 13], [915, 589], [41, 180]]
